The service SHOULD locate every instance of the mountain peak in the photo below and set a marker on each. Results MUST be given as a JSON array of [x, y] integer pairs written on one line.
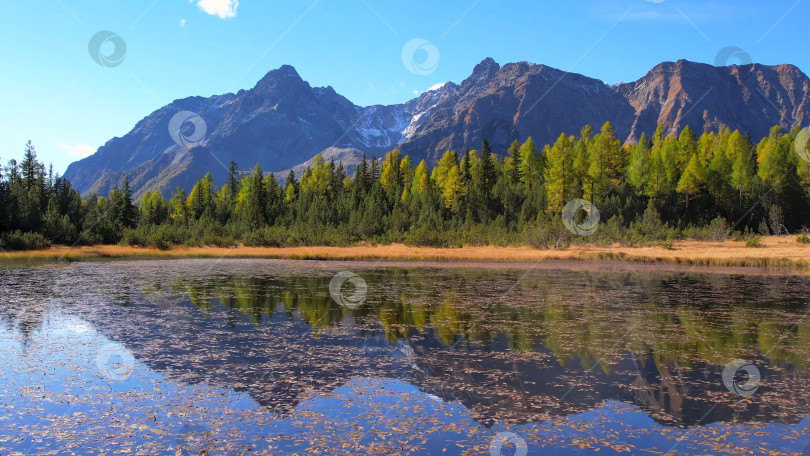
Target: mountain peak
[[286, 70], [279, 75], [483, 72], [487, 66]]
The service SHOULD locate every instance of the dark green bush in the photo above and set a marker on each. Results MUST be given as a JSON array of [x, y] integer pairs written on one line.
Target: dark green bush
[[136, 237], [549, 234], [156, 241], [17, 240], [611, 232], [649, 229], [424, 236], [271, 236], [754, 242], [218, 240]]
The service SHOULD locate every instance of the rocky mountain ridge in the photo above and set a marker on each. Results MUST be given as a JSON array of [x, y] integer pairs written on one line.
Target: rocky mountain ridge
[[283, 122]]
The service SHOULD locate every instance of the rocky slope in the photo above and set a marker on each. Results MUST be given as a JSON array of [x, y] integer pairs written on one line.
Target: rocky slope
[[750, 98]]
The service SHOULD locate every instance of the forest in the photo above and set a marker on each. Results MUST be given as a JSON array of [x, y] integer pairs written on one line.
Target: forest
[[660, 189]]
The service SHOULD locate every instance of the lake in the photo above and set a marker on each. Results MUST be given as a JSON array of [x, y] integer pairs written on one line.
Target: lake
[[284, 357]]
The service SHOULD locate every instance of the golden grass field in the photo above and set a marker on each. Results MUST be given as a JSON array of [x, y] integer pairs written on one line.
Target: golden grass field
[[778, 252]]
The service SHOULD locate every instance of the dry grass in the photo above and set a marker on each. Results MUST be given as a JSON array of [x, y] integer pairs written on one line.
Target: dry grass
[[779, 252]]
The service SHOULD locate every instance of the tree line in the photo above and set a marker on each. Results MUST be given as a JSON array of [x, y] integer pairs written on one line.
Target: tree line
[[658, 189]]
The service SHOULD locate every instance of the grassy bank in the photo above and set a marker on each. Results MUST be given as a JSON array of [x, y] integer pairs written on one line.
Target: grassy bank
[[775, 252]]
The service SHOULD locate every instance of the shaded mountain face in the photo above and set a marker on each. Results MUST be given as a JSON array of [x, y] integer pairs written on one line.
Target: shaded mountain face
[[283, 122]]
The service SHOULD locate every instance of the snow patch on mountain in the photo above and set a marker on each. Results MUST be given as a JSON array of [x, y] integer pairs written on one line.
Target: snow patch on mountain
[[381, 126]]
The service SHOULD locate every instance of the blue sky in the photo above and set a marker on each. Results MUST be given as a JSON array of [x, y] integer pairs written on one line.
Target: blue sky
[[54, 93]]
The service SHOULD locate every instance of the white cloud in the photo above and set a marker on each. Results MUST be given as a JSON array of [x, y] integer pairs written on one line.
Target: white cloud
[[182, 22], [436, 86], [80, 151], [225, 9], [416, 92]]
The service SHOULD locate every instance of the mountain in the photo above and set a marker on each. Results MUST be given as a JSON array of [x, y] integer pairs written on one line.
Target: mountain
[[513, 102], [750, 98], [350, 158], [283, 122]]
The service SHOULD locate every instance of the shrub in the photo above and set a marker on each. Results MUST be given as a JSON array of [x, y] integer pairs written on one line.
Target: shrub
[[803, 239], [549, 234], [218, 240], [271, 236], [332, 236], [742, 236], [763, 228], [156, 241], [253, 239], [754, 242], [611, 232], [424, 236], [492, 233], [718, 229], [175, 234], [668, 244], [777, 217], [648, 229], [135, 237], [17, 240]]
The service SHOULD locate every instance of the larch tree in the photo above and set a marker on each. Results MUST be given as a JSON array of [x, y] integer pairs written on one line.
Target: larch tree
[[693, 179], [406, 171], [638, 168], [606, 166], [773, 159], [511, 163], [452, 188], [559, 173], [442, 169], [178, 208], [290, 187], [686, 148], [391, 177], [317, 178], [201, 200], [531, 166], [421, 179]]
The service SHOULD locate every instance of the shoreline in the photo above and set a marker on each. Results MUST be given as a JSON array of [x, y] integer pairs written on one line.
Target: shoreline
[[782, 253]]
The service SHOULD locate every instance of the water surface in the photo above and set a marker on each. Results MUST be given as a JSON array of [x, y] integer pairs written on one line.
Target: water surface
[[256, 357]]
